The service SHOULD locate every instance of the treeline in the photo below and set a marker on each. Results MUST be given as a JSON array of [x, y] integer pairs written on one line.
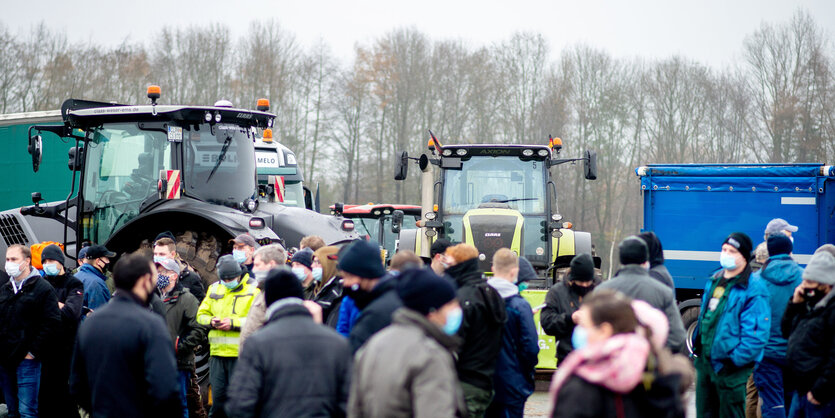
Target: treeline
[[346, 120]]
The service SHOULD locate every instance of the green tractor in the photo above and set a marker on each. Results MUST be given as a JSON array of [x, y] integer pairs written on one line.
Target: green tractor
[[494, 196]]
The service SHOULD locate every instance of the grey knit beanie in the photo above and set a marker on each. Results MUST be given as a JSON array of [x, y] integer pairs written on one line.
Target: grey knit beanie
[[821, 268]]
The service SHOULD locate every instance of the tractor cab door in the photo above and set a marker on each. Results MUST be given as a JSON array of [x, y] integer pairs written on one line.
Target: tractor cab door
[[121, 173]]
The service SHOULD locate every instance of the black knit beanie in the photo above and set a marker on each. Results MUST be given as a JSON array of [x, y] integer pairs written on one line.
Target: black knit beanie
[[424, 291], [633, 250], [280, 284]]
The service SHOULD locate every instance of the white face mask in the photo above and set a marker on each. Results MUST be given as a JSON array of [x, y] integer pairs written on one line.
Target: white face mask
[[13, 269]]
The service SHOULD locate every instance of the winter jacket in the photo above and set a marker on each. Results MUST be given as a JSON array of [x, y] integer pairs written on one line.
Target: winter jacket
[[555, 318], [657, 269], [96, 292], [663, 275], [181, 318], [70, 292], [581, 399], [810, 354], [481, 328], [634, 281], [222, 302], [514, 378], [123, 364], [292, 367], [29, 320], [781, 275], [192, 281], [743, 327], [255, 318], [348, 314], [407, 370], [329, 298], [377, 315]]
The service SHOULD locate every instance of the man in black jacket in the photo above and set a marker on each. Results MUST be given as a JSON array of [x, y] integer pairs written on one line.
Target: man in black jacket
[[55, 399], [29, 318], [809, 326], [375, 295], [481, 329], [181, 317], [124, 365], [292, 367], [558, 317]]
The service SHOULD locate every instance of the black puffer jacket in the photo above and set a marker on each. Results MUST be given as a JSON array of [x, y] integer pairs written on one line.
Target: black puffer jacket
[[810, 354], [481, 329], [555, 318], [329, 298], [292, 367], [192, 281], [580, 399], [70, 292], [377, 315], [28, 320], [181, 318]]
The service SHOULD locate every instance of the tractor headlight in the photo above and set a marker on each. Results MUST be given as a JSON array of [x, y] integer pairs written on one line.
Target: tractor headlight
[[447, 152], [543, 153], [461, 152], [430, 216], [527, 153]]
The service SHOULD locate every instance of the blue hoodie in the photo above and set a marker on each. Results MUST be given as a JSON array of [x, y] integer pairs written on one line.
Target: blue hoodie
[[781, 275]]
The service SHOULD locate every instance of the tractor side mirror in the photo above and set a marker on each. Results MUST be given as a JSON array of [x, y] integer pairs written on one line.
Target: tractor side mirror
[[35, 149], [401, 166], [590, 165], [396, 221], [338, 208]]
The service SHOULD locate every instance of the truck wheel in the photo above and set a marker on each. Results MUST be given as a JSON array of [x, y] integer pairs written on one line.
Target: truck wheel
[[690, 319]]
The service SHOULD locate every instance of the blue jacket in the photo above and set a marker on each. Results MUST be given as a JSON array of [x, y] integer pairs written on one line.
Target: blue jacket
[[348, 313], [96, 293], [781, 275], [513, 380], [744, 326]]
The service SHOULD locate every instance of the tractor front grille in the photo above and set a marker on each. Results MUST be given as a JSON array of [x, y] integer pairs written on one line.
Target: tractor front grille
[[11, 230]]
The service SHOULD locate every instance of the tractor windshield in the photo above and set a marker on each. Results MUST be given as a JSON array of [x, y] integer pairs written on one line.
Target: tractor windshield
[[219, 163], [520, 184], [122, 166]]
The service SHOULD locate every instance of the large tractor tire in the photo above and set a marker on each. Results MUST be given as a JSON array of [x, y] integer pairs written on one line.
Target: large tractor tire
[[690, 320]]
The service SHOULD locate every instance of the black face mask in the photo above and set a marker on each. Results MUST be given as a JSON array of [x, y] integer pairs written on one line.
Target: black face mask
[[580, 290], [360, 297], [813, 295]]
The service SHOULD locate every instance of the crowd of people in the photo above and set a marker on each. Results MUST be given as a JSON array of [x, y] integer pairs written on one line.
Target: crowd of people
[[330, 331]]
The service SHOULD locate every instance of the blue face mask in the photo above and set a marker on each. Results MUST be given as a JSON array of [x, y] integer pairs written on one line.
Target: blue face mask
[[239, 256], [230, 285], [159, 258], [300, 273], [727, 261], [453, 321], [579, 338], [317, 274], [162, 281], [51, 269]]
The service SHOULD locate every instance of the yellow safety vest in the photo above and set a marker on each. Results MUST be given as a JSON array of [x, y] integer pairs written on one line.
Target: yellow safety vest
[[221, 302]]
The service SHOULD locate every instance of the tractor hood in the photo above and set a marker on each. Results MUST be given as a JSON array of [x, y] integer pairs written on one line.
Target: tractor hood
[[293, 223]]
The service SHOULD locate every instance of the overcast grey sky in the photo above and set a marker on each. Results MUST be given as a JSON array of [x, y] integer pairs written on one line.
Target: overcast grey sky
[[710, 31]]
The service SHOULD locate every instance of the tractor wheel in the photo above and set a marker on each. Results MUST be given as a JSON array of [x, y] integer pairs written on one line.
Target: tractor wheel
[[690, 320]]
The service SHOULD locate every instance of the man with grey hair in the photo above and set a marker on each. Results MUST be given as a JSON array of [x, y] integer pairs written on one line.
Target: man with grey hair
[[264, 259]]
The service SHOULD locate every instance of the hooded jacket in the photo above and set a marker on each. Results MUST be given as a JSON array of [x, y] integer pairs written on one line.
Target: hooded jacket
[[424, 382], [377, 314], [481, 328], [28, 320], [810, 353], [781, 275], [96, 293], [634, 281], [291, 367], [181, 318], [657, 270], [514, 378], [743, 327]]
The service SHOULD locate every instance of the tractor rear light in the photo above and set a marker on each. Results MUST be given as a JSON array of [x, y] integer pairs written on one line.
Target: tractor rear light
[[348, 225], [256, 223]]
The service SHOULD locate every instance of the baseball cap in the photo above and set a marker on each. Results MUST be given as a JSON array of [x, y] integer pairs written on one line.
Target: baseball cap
[[98, 251], [245, 239], [778, 225], [170, 264]]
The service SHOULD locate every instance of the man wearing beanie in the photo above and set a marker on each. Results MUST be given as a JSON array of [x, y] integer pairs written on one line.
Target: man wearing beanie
[[364, 279], [732, 331], [54, 393], [633, 280], [408, 369], [564, 299], [809, 325], [292, 366], [484, 319], [781, 275], [513, 382], [224, 311]]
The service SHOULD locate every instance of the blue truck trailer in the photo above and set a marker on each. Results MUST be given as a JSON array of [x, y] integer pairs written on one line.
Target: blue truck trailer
[[693, 207]]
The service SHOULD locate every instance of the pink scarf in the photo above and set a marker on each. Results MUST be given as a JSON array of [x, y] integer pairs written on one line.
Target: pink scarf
[[617, 364]]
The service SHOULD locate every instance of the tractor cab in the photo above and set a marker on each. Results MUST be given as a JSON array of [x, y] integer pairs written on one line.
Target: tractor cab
[[280, 178], [380, 222], [495, 196]]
